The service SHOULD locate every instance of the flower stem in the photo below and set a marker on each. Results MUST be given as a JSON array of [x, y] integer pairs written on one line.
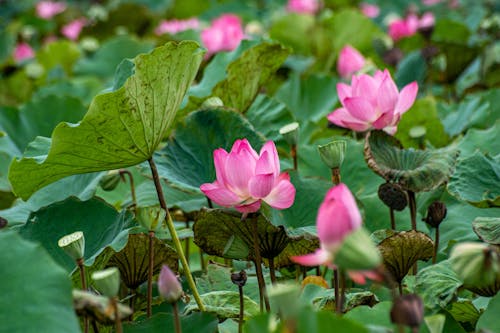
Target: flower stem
[[150, 272], [336, 176], [132, 187], [258, 264], [177, 321], [242, 310], [81, 267], [338, 304], [293, 152], [342, 279], [118, 322], [436, 245], [272, 270], [412, 203], [175, 237]]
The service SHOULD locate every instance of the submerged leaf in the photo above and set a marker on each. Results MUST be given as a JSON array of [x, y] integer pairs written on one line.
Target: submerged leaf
[[121, 128], [415, 170], [401, 251]]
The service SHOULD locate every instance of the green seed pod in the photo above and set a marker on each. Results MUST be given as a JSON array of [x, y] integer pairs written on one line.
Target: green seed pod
[[73, 244], [110, 181], [358, 252], [150, 216], [107, 281], [290, 133], [333, 153], [212, 103]]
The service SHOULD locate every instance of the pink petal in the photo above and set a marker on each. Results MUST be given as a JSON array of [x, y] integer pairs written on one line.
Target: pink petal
[[244, 145], [349, 62], [366, 87], [268, 161], [283, 193], [320, 257], [406, 97], [249, 208], [387, 95], [342, 117], [343, 91], [387, 119], [261, 185], [220, 195], [220, 157], [240, 167], [360, 109]]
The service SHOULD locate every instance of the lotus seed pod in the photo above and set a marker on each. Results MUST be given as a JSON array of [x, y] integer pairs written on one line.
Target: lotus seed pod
[[408, 310], [169, 286], [73, 244], [212, 103], [290, 133], [477, 264], [358, 252], [107, 281], [239, 279], [150, 216], [110, 181], [436, 212], [333, 153], [393, 195]]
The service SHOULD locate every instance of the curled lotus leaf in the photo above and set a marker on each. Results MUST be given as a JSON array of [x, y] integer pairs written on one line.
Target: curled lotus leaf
[[132, 261], [402, 250], [488, 229], [98, 307], [415, 170]]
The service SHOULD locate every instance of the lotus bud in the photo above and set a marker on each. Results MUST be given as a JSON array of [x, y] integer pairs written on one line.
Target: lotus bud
[[239, 279], [150, 216], [73, 244], [110, 181], [212, 103], [290, 133], [333, 153], [107, 281], [477, 264], [408, 310], [393, 196], [169, 286], [283, 299], [358, 252], [436, 212]]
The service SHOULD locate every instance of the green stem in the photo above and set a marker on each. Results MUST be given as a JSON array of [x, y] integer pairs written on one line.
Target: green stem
[[132, 187], [242, 310], [293, 152], [118, 322], [177, 321], [272, 270], [175, 237], [342, 281], [338, 304], [258, 264], [412, 203], [436, 246], [150, 272], [81, 267]]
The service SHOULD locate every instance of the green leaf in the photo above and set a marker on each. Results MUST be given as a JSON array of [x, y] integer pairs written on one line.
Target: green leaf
[[411, 68], [377, 315], [489, 319], [464, 115], [225, 304], [402, 250], [485, 141], [36, 292], [101, 224], [415, 170], [488, 229], [61, 53], [121, 128], [187, 159], [200, 322], [477, 181], [437, 285], [464, 312], [293, 30], [309, 321], [450, 31], [268, 115]]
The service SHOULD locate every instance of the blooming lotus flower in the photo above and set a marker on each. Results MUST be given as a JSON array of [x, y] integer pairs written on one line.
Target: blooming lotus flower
[[225, 34], [23, 51], [372, 102], [350, 61], [369, 10], [175, 26], [72, 30], [169, 286], [338, 216], [245, 179], [48, 9], [302, 6], [408, 26]]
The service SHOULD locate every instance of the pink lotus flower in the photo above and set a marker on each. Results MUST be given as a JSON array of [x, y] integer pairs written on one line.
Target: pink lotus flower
[[369, 10], [225, 34], [338, 216], [350, 61], [408, 26], [48, 9], [302, 6], [22, 52], [372, 102], [174, 26], [245, 179], [169, 286], [73, 29]]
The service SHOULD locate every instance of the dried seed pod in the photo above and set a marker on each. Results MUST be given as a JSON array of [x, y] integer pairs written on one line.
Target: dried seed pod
[[393, 195], [239, 279], [436, 212], [408, 310]]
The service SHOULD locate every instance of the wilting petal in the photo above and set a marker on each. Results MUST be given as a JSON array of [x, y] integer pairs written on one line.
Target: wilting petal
[[283, 193], [261, 185], [320, 257], [220, 195], [360, 109], [406, 98]]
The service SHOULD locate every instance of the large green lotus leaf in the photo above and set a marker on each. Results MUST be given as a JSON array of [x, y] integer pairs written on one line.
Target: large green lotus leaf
[[63, 53], [415, 170], [459, 117], [225, 304], [411, 68], [464, 312], [122, 128], [38, 117], [199, 322], [477, 181], [402, 250], [437, 285], [222, 233], [310, 98], [489, 319], [488, 229], [485, 141], [450, 31], [187, 160], [423, 113], [36, 292], [16, 88], [101, 224], [378, 315], [294, 30], [268, 115]]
